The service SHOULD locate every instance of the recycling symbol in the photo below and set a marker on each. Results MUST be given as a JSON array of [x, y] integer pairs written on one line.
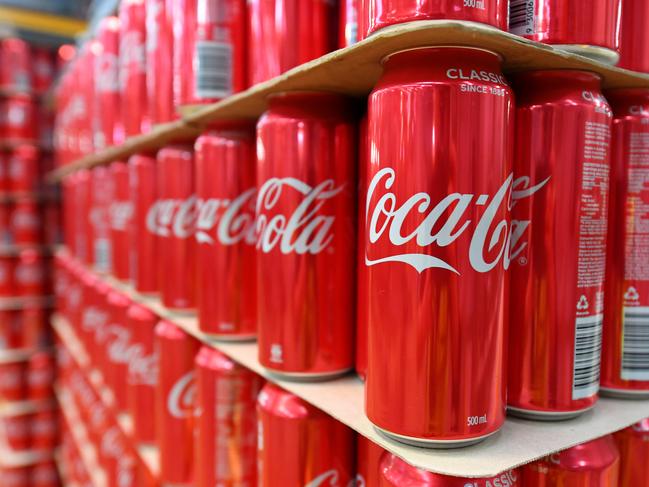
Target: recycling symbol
[[582, 305], [631, 294]]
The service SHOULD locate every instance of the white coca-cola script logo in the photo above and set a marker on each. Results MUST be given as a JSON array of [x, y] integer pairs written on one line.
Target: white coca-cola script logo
[[119, 350], [93, 318], [121, 213], [181, 399], [107, 73], [235, 223], [173, 216], [389, 217], [142, 368], [306, 230], [331, 478], [154, 17], [131, 55]]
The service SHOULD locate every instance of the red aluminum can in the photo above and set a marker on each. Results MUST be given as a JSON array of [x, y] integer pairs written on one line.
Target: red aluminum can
[[7, 285], [299, 444], [108, 127], [173, 220], [44, 429], [16, 476], [99, 234], [15, 431], [562, 156], [45, 474], [16, 65], [43, 73], [6, 237], [437, 235], [5, 184], [592, 464], [175, 403], [13, 386], [24, 169], [34, 327], [142, 177], [18, 118], [41, 372], [159, 60], [368, 462], [286, 33], [383, 13], [118, 347], [132, 67], [625, 347], [142, 372], [362, 301], [633, 444], [25, 222], [226, 396], [79, 215], [225, 232], [349, 30], [10, 329], [121, 221], [394, 472], [305, 229], [184, 22], [586, 27], [634, 36], [30, 274]]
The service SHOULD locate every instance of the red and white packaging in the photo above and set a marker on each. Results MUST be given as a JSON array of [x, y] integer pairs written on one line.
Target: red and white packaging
[[10, 329], [4, 172], [159, 60], [7, 266], [120, 215], [23, 169], [350, 30], [35, 327], [107, 122], [43, 69], [41, 373], [13, 380], [183, 20], [18, 476], [18, 118], [118, 347], [31, 275], [15, 431], [45, 474], [16, 66], [44, 429], [26, 223], [99, 218]]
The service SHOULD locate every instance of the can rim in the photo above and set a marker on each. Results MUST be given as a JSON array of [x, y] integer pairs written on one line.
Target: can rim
[[444, 46]]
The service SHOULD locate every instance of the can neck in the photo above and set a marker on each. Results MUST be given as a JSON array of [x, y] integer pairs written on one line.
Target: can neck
[[629, 101]]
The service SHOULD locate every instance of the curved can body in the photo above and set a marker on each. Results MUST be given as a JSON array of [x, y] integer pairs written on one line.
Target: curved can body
[[286, 33], [625, 348], [118, 339], [225, 232], [362, 301], [226, 396], [586, 27], [368, 462], [100, 252], [16, 71], [397, 473], [378, 14], [159, 61], [436, 246], [633, 443], [184, 24], [299, 444], [172, 219], [106, 110], [349, 30], [306, 162], [557, 302], [592, 464], [120, 215], [634, 36]]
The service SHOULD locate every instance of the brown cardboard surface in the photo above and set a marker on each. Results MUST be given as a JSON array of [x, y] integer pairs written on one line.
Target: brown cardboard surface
[[354, 71]]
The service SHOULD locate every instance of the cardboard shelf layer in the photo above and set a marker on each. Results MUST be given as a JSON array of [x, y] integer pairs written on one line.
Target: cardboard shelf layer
[[519, 442], [354, 71], [148, 454]]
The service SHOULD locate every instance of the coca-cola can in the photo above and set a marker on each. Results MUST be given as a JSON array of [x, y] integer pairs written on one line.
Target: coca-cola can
[[25, 223], [625, 347], [10, 329], [305, 234], [286, 33], [41, 372], [378, 14], [118, 347], [23, 169], [18, 118], [44, 429], [132, 67], [595, 463], [99, 232], [362, 302], [121, 221], [585, 27], [142, 372], [299, 444], [34, 327], [633, 444], [368, 462], [159, 60], [350, 30], [184, 20], [4, 171], [173, 220], [437, 233], [13, 380], [7, 286], [15, 431], [16, 476], [107, 122], [561, 168], [175, 403], [143, 193], [634, 36], [45, 474], [394, 472], [16, 69], [78, 213], [225, 232], [226, 425], [119, 458], [31, 274], [43, 69]]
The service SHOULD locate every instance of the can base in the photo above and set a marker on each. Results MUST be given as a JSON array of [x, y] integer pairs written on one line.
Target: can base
[[307, 376], [596, 53], [432, 444], [230, 338], [623, 393], [546, 415]]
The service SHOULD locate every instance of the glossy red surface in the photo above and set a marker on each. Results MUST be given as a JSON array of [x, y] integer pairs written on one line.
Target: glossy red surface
[[225, 232], [557, 276], [107, 118], [15, 71], [368, 462], [382, 13], [175, 403], [159, 60], [306, 160], [362, 299], [172, 219], [24, 169], [436, 233], [348, 30], [588, 22], [633, 444], [18, 118], [26, 223], [184, 23], [286, 33], [634, 36], [41, 373], [301, 445], [99, 236], [226, 441], [31, 274], [592, 464], [116, 345], [121, 221], [143, 194], [625, 356], [43, 69]]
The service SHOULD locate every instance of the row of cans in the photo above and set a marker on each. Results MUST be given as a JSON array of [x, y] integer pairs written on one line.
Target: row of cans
[[41, 473], [469, 214], [25, 328], [25, 68], [30, 220], [27, 275], [31, 430], [24, 120], [27, 378], [22, 169]]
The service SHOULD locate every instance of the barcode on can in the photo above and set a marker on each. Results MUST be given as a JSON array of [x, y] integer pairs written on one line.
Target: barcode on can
[[213, 63], [588, 351], [521, 17], [635, 345], [103, 254]]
